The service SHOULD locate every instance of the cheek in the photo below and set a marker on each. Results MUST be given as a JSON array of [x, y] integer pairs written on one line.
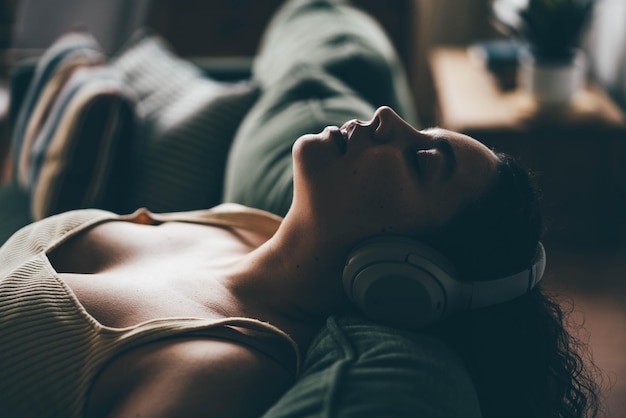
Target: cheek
[[388, 178], [392, 197], [386, 196]]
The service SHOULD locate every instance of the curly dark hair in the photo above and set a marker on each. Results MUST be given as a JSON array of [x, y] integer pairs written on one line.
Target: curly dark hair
[[523, 360]]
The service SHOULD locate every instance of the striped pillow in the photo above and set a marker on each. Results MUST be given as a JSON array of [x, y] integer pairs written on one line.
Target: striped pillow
[[71, 51], [79, 156], [188, 123]]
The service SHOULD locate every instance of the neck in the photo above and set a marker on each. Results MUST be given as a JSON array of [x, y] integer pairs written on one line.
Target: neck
[[293, 280]]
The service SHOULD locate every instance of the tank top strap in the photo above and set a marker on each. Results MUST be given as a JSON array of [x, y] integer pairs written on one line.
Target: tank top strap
[[262, 336], [227, 214]]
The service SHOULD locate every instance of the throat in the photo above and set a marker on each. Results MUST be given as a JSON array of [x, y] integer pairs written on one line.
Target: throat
[[299, 291]]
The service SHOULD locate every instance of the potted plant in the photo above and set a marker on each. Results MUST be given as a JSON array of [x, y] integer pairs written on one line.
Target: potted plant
[[552, 64]]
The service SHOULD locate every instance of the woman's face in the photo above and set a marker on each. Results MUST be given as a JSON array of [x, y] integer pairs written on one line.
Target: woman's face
[[384, 176]]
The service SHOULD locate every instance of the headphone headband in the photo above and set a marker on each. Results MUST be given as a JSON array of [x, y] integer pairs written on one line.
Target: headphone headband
[[493, 292]]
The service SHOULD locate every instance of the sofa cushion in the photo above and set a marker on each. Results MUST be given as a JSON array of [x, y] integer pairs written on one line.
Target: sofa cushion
[[71, 51], [188, 123], [344, 41], [78, 159], [355, 368], [320, 63], [259, 171], [73, 129]]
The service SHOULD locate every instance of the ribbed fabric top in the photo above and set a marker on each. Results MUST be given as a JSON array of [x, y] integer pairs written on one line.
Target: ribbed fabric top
[[51, 348]]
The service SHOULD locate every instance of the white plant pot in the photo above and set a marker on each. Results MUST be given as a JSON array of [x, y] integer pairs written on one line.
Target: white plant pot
[[552, 84]]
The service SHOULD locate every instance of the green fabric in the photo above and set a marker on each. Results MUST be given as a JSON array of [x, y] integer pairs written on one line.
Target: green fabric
[[358, 369], [14, 210], [259, 170], [320, 63], [344, 41]]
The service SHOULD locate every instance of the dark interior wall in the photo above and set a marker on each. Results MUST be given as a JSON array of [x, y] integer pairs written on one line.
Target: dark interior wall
[[195, 28], [37, 23], [234, 27], [606, 48], [6, 20], [455, 22], [443, 22]]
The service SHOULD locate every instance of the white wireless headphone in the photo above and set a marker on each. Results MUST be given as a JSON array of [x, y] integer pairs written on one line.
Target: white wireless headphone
[[402, 282]]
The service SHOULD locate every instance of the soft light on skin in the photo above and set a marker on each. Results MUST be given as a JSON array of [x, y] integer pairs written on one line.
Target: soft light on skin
[[390, 177]]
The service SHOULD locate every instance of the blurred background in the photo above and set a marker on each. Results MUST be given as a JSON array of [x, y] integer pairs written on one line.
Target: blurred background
[[213, 28], [465, 71]]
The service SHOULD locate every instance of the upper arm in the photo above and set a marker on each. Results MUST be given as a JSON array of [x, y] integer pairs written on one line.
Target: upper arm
[[203, 378]]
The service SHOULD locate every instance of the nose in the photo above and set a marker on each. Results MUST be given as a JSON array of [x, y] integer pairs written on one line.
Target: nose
[[388, 126], [383, 124]]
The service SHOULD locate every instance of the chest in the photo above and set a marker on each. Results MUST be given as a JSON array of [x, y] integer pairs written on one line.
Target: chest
[[124, 273]]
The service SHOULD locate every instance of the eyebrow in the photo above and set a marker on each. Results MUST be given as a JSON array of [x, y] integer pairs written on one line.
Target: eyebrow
[[443, 145]]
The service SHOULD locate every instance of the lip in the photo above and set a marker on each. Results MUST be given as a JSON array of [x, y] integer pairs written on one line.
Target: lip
[[340, 137], [348, 128]]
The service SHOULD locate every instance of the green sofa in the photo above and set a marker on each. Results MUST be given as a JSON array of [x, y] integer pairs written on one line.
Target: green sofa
[[321, 62]]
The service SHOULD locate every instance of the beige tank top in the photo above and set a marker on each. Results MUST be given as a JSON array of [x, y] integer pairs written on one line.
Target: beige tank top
[[51, 348]]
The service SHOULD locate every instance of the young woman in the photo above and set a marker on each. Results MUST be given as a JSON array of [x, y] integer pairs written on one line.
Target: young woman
[[230, 311], [177, 315]]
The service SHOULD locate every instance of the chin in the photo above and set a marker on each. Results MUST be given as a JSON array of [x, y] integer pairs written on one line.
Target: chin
[[314, 157], [301, 145]]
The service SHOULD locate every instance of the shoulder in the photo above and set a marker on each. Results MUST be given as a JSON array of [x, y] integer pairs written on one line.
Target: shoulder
[[43, 234], [189, 377]]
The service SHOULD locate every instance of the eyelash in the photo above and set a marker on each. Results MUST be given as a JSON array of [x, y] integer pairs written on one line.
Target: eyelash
[[422, 159]]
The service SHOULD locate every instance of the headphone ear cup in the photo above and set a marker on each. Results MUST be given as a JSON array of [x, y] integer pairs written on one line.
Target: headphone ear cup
[[398, 294], [399, 281], [402, 282]]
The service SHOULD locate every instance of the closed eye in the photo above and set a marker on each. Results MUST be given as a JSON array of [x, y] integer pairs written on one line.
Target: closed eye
[[424, 160], [442, 152], [443, 145]]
